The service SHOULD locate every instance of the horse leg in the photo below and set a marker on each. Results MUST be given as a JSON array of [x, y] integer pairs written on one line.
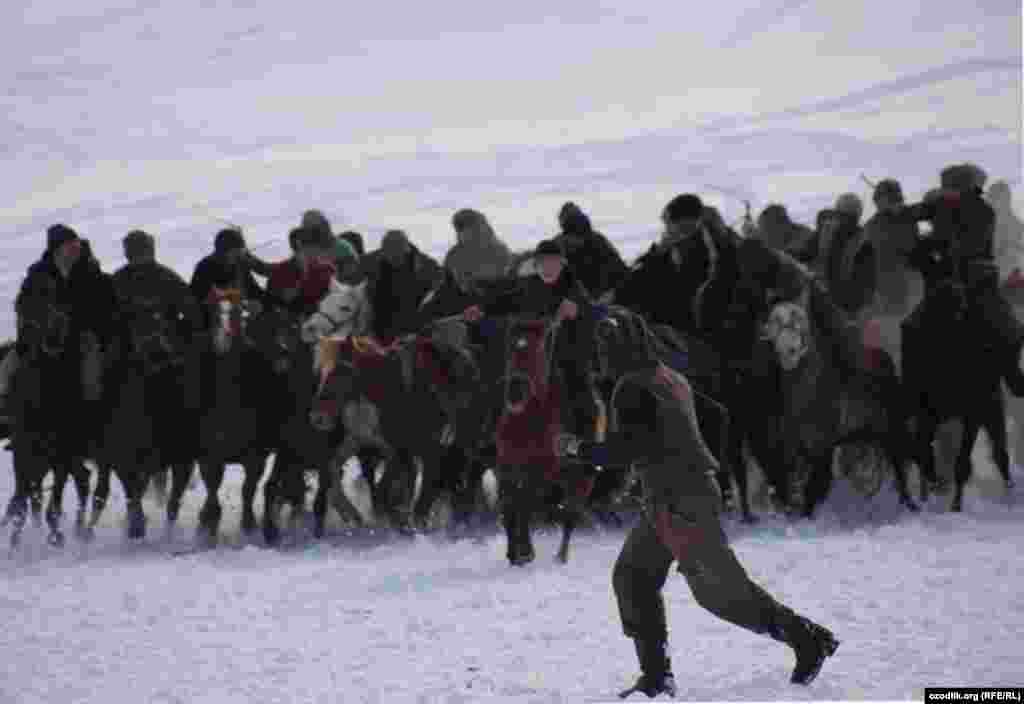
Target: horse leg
[[81, 474], [896, 451], [101, 495], [924, 446], [963, 461], [994, 423], [819, 481], [431, 486], [271, 501], [134, 481], [212, 473], [181, 473], [25, 466], [400, 483], [253, 466], [158, 482], [331, 488], [55, 509]]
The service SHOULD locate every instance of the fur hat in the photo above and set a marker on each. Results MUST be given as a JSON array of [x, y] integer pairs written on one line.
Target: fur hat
[[138, 244], [959, 177], [888, 188], [395, 244], [549, 248], [58, 234], [227, 240], [687, 206], [850, 204]]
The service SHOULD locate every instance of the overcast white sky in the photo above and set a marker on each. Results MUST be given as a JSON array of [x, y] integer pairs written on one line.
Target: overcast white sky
[[396, 113]]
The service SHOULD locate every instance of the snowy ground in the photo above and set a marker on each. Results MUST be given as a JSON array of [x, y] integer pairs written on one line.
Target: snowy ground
[[919, 601], [126, 113]]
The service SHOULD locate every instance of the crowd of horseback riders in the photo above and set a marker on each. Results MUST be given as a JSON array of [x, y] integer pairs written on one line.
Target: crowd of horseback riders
[[739, 313]]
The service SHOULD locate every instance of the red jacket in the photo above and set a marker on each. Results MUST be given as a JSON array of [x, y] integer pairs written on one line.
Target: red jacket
[[301, 290]]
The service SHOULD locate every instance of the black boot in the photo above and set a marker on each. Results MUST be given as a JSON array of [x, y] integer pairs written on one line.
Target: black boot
[[656, 670], [811, 643]]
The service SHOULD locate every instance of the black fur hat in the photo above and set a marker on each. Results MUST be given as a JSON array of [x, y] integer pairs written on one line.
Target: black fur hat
[[550, 248], [58, 234], [227, 240], [687, 206]]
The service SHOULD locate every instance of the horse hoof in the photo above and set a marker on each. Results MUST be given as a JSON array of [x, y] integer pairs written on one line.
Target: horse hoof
[[749, 519], [1010, 484], [908, 503], [85, 534], [56, 539]]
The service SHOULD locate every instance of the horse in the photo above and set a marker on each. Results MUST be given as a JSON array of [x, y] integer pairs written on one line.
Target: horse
[[344, 311], [47, 431], [837, 392], [698, 339], [147, 426], [534, 414], [973, 394], [277, 336], [235, 418], [374, 391]]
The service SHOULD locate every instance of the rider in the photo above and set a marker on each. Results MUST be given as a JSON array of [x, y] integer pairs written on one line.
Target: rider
[[400, 277], [898, 287], [589, 252], [555, 290], [964, 225], [478, 253], [144, 279], [71, 279], [301, 281], [226, 268], [654, 425]]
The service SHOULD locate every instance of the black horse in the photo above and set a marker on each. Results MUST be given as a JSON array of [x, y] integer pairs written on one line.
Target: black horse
[[948, 373], [236, 419], [290, 389], [148, 425], [47, 424]]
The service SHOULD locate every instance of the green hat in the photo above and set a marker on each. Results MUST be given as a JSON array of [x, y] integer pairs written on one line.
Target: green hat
[[344, 250]]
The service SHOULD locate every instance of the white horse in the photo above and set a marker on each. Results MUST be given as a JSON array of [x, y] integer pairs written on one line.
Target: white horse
[[345, 311]]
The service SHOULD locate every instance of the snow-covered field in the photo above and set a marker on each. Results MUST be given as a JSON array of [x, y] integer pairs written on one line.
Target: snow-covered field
[[394, 114]]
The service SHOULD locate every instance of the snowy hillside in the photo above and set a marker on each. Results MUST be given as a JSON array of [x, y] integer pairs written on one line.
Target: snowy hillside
[[168, 115]]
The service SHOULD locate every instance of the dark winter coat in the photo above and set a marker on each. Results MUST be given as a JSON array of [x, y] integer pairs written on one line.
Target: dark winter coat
[[87, 295], [893, 242], [142, 283], [534, 297], [962, 222], [396, 293], [591, 255]]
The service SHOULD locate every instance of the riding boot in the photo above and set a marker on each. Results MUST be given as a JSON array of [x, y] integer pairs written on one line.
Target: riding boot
[[655, 668], [811, 643]]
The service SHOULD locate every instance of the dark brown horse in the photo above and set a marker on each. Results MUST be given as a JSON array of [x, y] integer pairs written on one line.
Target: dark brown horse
[[236, 421], [401, 399], [148, 426], [298, 446], [47, 427], [534, 415]]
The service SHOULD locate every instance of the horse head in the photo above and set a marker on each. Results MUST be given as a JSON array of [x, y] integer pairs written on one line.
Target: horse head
[[231, 312], [530, 343], [451, 371], [344, 311], [276, 336], [788, 328]]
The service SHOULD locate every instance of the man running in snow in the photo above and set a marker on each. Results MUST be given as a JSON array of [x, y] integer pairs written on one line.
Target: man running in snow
[[654, 426]]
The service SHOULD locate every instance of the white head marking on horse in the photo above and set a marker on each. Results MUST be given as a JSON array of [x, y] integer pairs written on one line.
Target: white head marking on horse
[[343, 312], [789, 329]]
